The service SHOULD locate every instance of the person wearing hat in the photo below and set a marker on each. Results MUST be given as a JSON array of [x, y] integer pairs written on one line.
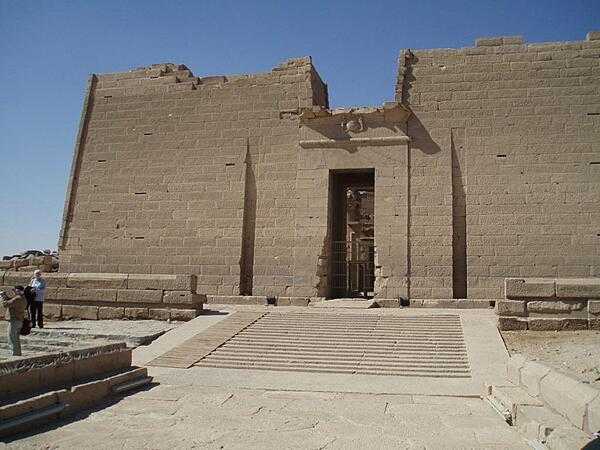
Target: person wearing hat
[[36, 307], [15, 314]]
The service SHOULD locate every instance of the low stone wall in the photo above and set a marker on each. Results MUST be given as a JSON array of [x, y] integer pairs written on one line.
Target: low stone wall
[[39, 373], [550, 304], [115, 295]]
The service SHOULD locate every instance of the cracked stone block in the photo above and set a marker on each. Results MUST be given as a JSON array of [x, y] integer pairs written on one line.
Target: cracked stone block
[[159, 313], [513, 368], [531, 375], [136, 313], [552, 324], [555, 307], [567, 438], [110, 312]]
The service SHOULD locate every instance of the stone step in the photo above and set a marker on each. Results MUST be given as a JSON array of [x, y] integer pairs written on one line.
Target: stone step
[[510, 396], [341, 354], [346, 349], [345, 303], [366, 370]]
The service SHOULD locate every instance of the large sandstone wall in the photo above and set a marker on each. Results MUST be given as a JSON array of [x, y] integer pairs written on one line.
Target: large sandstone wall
[[166, 164], [504, 164]]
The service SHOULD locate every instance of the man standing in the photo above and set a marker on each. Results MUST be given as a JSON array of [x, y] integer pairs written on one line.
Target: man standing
[[15, 313], [36, 307]]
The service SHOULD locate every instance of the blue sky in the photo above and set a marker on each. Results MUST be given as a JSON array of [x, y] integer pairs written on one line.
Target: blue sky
[[49, 48]]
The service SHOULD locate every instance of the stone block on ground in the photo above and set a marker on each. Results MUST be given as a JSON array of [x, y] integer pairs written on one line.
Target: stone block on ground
[[510, 308], [556, 324], [79, 312], [578, 288], [111, 312], [139, 296], [137, 313], [531, 375], [159, 313], [184, 314], [97, 280], [568, 396], [511, 324], [567, 438], [52, 311], [556, 307], [518, 288]]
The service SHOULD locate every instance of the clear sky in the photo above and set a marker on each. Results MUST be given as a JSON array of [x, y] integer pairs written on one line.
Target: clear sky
[[48, 49]]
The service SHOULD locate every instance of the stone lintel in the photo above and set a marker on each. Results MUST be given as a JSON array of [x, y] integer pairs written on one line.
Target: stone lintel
[[367, 141]]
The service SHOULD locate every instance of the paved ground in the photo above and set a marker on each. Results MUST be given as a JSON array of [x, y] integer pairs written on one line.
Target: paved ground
[[204, 407], [574, 352]]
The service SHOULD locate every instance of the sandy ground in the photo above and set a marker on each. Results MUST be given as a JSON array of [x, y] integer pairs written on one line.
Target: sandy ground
[[574, 352]]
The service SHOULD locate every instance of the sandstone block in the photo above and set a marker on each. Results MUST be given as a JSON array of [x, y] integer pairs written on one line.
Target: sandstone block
[[139, 296], [236, 299], [513, 368], [110, 312], [183, 298], [87, 295], [566, 438], [594, 307], [488, 42], [553, 324], [555, 307], [56, 280], [511, 324], [79, 312], [567, 396], [17, 278], [510, 308], [293, 301], [184, 314], [159, 313], [592, 424], [137, 313], [97, 280], [531, 375], [162, 282], [518, 288], [578, 288], [12, 410], [52, 311]]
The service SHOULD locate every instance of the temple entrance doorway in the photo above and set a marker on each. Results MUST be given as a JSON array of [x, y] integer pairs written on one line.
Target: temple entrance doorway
[[352, 215]]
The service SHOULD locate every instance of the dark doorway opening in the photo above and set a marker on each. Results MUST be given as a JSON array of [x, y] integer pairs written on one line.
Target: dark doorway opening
[[352, 216]]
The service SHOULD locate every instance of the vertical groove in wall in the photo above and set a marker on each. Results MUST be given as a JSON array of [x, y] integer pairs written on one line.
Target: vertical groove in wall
[[248, 227], [408, 217], [459, 219], [76, 162]]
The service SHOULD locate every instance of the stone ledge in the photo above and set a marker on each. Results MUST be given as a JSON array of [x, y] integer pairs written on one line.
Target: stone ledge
[[521, 288], [500, 40]]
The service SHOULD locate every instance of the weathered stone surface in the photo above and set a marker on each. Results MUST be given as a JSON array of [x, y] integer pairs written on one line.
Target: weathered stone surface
[[593, 36], [110, 312], [139, 296], [79, 312], [555, 307], [162, 282], [17, 278], [567, 396], [183, 298], [510, 323], [513, 368], [87, 294], [550, 324], [97, 280], [516, 288], [137, 313], [159, 313], [594, 307], [52, 311], [578, 288], [594, 324], [510, 308], [531, 375], [184, 314], [236, 299], [567, 438], [592, 422]]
